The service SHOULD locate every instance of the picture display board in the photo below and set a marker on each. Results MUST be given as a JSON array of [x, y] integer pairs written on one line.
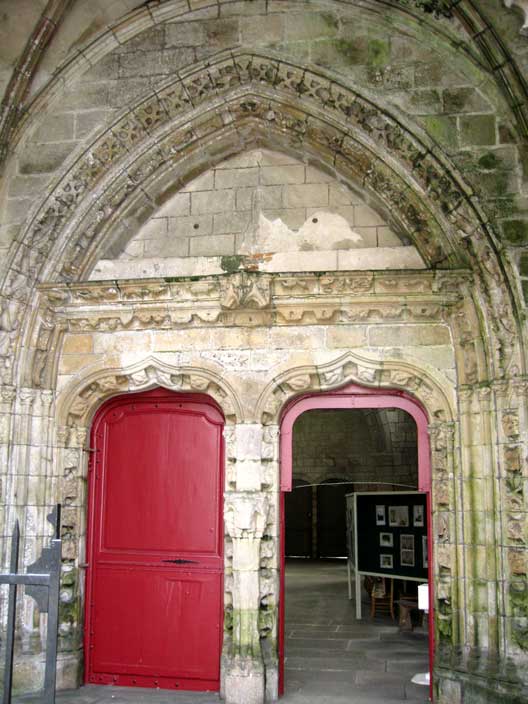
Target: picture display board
[[387, 536], [392, 535]]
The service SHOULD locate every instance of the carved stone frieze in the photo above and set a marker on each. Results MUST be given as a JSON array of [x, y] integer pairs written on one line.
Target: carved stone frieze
[[148, 304]]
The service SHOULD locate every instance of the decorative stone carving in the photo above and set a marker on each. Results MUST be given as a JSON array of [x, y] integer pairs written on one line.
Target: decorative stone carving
[[93, 393], [246, 515], [146, 375], [523, 7], [260, 71], [270, 442], [510, 423], [351, 368], [245, 290]]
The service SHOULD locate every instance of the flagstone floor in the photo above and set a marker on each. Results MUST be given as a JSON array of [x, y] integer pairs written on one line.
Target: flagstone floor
[[330, 657]]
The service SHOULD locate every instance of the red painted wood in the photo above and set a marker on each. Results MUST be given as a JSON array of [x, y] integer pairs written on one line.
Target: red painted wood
[[354, 396], [156, 487], [282, 591]]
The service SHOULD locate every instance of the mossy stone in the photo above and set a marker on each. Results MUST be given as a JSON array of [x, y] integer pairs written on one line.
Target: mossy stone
[[516, 231], [354, 52], [378, 53], [523, 265], [477, 130], [464, 99], [232, 263], [443, 130], [525, 290], [489, 161]]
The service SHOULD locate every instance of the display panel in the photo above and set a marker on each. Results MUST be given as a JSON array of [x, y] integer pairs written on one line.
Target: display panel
[[391, 534]]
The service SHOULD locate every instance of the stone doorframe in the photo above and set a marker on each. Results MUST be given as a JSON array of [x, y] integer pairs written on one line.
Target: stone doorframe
[[348, 397], [475, 473], [250, 663]]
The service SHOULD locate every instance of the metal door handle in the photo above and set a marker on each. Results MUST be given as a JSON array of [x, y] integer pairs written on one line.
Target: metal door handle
[[181, 562]]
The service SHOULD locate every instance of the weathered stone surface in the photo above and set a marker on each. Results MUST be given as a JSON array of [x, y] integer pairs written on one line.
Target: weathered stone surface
[[254, 341]]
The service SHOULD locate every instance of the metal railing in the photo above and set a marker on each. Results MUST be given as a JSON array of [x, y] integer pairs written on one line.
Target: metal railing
[[42, 582]]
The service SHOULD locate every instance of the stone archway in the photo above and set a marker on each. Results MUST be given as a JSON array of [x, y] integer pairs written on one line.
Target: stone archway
[[69, 443], [254, 99], [349, 396], [240, 100]]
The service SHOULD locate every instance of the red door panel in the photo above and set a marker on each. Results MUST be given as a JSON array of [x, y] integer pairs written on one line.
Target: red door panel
[[154, 612]]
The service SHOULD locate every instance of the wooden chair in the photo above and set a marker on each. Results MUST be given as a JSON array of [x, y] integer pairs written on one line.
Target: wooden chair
[[381, 596]]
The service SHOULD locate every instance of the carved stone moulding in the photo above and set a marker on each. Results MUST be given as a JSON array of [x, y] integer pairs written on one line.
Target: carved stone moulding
[[79, 401], [253, 290], [343, 127], [203, 84], [437, 395]]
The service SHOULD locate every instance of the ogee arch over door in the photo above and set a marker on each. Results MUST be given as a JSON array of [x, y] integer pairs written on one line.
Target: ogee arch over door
[[155, 576]]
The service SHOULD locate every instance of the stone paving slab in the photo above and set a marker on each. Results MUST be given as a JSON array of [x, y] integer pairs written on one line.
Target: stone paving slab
[[94, 694], [330, 657]]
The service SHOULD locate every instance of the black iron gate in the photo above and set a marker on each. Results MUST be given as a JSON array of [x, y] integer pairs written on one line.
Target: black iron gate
[[42, 582]]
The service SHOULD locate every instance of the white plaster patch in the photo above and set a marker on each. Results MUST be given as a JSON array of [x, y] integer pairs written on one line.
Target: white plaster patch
[[361, 259], [321, 231]]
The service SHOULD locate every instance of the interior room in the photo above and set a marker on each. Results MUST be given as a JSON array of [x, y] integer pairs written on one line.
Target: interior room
[[336, 454]]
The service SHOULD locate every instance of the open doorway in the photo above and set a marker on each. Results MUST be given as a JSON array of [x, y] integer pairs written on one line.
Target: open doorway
[[331, 448]]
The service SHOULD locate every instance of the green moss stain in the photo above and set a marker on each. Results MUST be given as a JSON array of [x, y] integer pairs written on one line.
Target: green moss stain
[[489, 161], [477, 130], [525, 291], [444, 625], [519, 606], [515, 231], [378, 53], [329, 20], [246, 640], [232, 263], [442, 129], [353, 52]]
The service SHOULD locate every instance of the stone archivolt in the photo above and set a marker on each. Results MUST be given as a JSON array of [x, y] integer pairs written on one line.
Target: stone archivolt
[[143, 149]]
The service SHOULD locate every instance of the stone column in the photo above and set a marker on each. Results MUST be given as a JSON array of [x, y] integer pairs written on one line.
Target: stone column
[[246, 516], [70, 472], [243, 675], [511, 421]]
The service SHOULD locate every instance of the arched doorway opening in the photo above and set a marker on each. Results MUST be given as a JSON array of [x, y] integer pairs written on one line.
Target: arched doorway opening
[[352, 398], [298, 515], [331, 518], [155, 542]]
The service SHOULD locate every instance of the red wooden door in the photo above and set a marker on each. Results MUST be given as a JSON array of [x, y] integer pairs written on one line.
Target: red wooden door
[[155, 576]]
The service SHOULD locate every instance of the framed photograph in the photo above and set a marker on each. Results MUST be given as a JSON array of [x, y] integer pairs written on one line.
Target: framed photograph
[[380, 516], [418, 516], [425, 556], [399, 516], [407, 541], [386, 540], [407, 558], [386, 562]]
